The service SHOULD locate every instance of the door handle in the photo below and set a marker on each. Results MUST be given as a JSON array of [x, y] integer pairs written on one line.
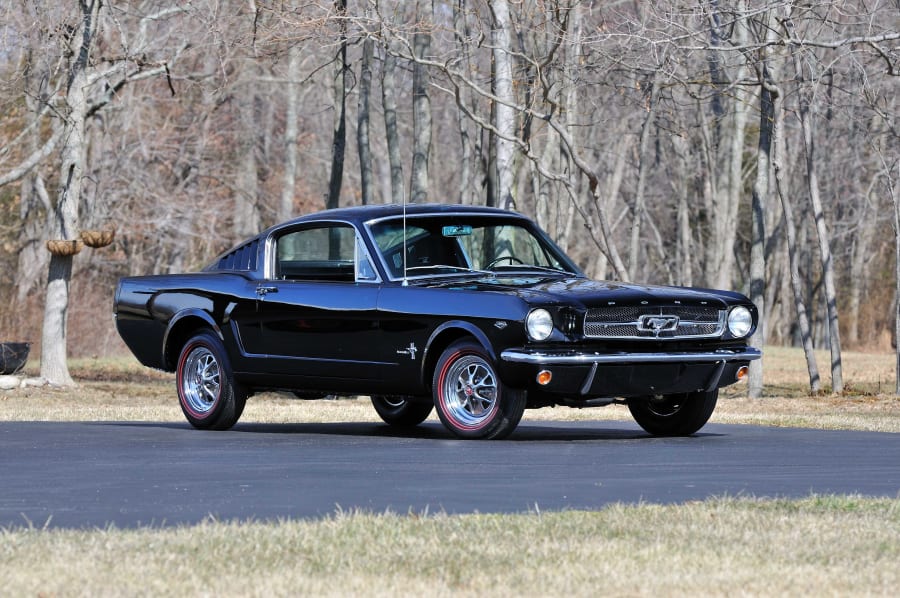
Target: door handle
[[263, 291]]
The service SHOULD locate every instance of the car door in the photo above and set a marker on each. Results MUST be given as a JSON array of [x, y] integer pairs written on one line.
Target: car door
[[317, 304]]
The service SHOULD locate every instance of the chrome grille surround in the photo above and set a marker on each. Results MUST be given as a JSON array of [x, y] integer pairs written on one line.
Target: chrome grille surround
[[655, 322]]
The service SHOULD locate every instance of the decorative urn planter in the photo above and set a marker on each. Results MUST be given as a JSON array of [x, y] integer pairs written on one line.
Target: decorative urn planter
[[13, 357], [98, 238], [65, 246]]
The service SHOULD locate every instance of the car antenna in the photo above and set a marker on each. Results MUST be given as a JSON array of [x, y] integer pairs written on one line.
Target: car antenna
[[405, 279]]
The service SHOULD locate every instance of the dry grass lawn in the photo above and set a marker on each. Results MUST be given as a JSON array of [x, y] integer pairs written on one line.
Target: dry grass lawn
[[832, 546], [121, 390]]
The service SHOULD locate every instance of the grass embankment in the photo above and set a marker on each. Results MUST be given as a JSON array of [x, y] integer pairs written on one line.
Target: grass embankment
[[724, 546], [817, 546]]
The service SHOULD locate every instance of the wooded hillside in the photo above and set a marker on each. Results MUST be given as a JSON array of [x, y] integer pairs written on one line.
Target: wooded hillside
[[731, 144]]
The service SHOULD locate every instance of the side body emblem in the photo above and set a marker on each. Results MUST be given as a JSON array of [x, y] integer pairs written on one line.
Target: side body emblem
[[411, 350]]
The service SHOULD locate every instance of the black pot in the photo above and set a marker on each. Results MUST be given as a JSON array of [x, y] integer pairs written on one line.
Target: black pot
[[13, 357]]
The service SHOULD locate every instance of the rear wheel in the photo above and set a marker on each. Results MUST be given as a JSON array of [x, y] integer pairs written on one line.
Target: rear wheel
[[673, 415], [469, 397], [401, 411], [209, 397]]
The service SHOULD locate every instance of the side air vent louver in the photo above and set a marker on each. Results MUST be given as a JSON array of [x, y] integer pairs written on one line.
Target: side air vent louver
[[243, 258]]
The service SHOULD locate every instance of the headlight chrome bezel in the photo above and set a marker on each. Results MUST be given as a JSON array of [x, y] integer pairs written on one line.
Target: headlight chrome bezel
[[539, 324], [740, 321]]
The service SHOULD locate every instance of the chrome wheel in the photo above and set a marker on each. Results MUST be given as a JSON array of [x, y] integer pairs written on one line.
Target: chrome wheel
[[470, 391], [470, 398], [201, 383], [209, 397]]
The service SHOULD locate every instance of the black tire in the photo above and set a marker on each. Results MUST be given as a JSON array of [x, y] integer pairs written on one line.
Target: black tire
[[209, 397], [400, 411], [674, 415], [469, 397]]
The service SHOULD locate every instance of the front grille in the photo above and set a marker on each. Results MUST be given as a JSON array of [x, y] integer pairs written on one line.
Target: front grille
[[667, 322]]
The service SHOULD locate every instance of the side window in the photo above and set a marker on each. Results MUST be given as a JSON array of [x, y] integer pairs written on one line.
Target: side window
[[322, 253]]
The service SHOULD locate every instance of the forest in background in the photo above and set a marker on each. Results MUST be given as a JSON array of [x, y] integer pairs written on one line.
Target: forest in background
[[724, 143]]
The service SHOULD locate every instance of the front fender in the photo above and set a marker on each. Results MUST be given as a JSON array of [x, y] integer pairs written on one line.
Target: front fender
[[443, 336]]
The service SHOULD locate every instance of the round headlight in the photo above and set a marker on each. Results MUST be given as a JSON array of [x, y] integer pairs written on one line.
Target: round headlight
[[740, 321], [539, 324]]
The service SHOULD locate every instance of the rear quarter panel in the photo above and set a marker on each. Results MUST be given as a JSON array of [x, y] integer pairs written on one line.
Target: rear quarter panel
[[145, 308]]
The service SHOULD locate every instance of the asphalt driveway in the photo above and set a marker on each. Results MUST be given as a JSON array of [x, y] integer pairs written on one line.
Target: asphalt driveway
[[144, 473]]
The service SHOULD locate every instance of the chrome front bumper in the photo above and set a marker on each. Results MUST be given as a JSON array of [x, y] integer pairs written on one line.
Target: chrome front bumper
[[537, 357]]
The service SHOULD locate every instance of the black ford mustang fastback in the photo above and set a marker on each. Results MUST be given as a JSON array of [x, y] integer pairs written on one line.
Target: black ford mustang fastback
[[472, 311]]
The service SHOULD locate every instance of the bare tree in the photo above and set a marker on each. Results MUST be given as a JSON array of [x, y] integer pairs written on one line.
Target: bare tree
[[392, 135], [339, 129], [421, 45], [778, 153], [812, 178], [504, 111], [362, 127], [87, 87], [291, 132]]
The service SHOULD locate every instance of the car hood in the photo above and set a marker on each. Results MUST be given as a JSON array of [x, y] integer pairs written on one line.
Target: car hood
[[592, 293]]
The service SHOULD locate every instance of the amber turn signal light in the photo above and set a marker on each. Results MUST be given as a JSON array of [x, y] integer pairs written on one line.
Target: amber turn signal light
[[742, 373], [544, 377]]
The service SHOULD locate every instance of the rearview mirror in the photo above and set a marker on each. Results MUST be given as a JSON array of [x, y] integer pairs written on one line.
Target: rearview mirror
[[459, 230]]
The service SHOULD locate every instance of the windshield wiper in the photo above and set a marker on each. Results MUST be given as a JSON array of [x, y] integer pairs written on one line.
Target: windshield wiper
[[521, 267], [454, 268]]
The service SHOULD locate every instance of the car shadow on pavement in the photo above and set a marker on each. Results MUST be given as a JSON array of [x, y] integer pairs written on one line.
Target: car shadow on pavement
[[527, 432]]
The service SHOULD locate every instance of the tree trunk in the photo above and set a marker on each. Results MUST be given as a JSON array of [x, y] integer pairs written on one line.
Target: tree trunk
[[339, 129], [759, 200], [421, 108], [861, 258], [806, 123], [504, 113], [897, 291], [637, 211], [62, 222], [362, 129], [461, 30], [291, 131], [895, 200], [33, 257], [684, 251], [815, 383], [246, 221], [728, 219], [389, 102]]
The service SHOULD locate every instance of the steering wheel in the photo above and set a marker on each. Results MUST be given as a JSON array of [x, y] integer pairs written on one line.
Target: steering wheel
[[512, 260]]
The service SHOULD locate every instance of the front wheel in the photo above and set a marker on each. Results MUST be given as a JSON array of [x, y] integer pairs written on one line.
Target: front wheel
[[469, 397], [673, 415], [209, 397], [401, 411]]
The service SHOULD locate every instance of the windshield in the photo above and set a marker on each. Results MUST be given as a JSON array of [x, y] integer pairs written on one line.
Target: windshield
[[451, 245]]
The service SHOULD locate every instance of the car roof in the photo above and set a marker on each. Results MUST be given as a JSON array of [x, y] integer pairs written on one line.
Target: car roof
[[361, 214]]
